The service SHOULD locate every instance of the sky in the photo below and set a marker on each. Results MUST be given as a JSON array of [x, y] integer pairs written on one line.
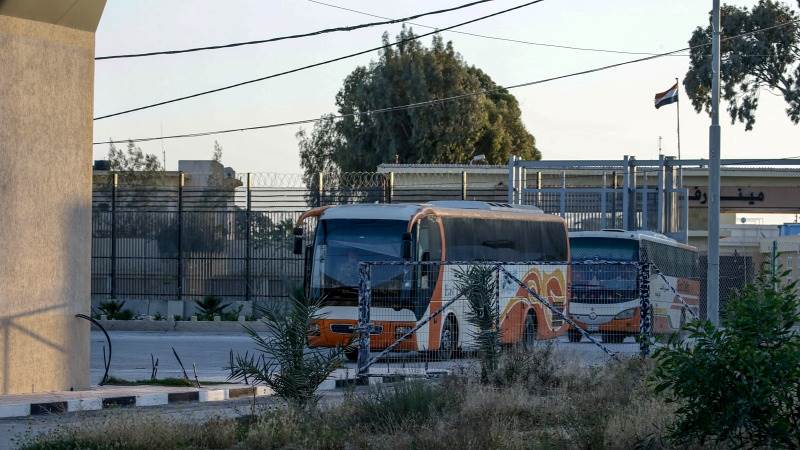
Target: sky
[[603, 115]]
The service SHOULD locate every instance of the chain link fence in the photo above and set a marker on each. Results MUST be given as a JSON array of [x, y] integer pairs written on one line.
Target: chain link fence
[[420, 317]]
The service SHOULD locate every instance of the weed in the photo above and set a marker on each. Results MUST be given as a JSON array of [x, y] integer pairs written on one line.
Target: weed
[[209, 307]]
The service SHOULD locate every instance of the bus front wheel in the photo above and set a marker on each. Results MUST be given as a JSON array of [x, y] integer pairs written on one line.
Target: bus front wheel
[[574, 335]]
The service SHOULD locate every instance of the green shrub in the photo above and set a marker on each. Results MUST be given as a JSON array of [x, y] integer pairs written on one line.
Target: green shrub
[[232, 316], [114, 309], [478, 285], [284, 365], [209, 307], [739, 385]]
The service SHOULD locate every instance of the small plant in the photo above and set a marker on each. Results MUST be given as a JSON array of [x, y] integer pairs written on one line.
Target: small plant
[[114, 309], [177, 317], [739, 386], [478, 285], [233, 315], [284, 365], [209, 307], [158, 316]]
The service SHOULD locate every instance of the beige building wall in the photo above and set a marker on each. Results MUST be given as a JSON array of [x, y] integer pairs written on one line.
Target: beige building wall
[[46, 84]]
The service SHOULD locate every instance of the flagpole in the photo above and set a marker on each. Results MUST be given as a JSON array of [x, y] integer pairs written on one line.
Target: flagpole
[[678, 112]]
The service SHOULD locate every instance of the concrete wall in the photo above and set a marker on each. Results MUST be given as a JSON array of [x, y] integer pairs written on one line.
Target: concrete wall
[[46, 83]]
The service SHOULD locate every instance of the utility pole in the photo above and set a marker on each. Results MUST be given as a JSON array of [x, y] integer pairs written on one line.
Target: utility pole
[[712, 282]]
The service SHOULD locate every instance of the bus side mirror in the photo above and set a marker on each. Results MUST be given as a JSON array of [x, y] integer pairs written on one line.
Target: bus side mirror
[[298, 241], [406, 246]]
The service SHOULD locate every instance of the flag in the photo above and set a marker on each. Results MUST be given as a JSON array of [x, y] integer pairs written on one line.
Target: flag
[[667, 97]]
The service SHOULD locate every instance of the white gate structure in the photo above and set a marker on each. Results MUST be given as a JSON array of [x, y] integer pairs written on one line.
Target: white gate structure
[[629, 194]]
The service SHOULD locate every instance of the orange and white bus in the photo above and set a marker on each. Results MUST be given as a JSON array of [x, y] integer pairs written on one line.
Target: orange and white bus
[[605, 298], [406, 295]]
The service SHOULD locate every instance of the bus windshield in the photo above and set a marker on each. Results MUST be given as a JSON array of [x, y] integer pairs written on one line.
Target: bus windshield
[[341, 244], [611, 249]]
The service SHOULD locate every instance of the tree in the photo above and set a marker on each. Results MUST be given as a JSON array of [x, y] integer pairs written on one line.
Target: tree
[[217, 155], [767, 59], [739, 386], [446, 132], [132, 159]]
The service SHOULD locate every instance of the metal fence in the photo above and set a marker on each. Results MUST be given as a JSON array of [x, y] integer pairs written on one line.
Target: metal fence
[[167, 237], [418, 317]]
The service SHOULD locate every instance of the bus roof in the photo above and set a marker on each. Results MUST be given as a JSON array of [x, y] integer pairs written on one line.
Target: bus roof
[[406, 211], [638, 235]]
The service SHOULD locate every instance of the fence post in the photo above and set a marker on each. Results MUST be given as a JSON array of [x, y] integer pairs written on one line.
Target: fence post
[[463, 185], [364, 301], [645, 316], [319, 189], [563, 198], [603, 207], [181, 180], [248, 217], [614, 187], [114, 185], [390, 188]]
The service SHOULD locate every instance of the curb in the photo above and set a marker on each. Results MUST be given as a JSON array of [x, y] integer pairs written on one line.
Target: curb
[[115, 400]]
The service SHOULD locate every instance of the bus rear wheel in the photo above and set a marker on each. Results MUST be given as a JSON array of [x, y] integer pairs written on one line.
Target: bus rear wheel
[[448, 344], [529, 332], [351, 353]]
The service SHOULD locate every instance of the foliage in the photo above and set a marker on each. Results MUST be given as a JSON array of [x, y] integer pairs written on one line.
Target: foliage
[[764, 60], [132, 159], [479, 285], [115, 309], [265, 231], [739, 385], [447, 132], [196, 236], [607, 407], [217, 154], [284, 365], [233, 315], [182, 382], [209, 307]]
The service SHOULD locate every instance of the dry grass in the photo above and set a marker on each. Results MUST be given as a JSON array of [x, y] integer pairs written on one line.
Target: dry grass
[[533, 401]]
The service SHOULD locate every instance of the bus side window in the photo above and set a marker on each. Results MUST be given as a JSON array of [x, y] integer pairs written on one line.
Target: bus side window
[[429, 248]]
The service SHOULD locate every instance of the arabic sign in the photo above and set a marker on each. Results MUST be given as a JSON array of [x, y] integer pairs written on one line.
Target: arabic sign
[[749, 199]]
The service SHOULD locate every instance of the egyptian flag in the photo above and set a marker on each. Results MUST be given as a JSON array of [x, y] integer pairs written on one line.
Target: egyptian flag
[[667, 97]]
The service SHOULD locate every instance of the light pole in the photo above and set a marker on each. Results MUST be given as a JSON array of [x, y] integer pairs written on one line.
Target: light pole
[[712, 282]]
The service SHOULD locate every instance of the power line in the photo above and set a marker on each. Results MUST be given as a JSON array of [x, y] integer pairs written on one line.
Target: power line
[[388, 21], [442, 100], [497, 38], [321, 63]]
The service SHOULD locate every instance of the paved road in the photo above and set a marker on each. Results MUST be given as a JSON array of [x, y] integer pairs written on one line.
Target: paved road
[[211, 352]]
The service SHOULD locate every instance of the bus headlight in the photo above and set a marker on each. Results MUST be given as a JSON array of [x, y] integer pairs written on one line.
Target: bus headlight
[[401, 331], [313, 329], [627, 314]]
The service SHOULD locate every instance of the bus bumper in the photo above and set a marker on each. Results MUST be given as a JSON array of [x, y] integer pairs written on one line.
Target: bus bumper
[[330, 333]]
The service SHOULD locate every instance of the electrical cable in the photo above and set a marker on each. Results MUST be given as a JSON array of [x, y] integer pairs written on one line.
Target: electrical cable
[[388, 21], [442, 100], [321, 63], [497, 38]]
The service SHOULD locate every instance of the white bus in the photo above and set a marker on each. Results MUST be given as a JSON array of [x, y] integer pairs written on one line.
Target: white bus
[[404, 296], [605, 298]]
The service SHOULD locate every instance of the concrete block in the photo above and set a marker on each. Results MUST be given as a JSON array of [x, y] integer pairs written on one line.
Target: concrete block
[[174, 308], [194, 318], [375, 381], [15, 410], [217, 319], [84, 404], [264, 390], [152, 399], [214, 395]]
